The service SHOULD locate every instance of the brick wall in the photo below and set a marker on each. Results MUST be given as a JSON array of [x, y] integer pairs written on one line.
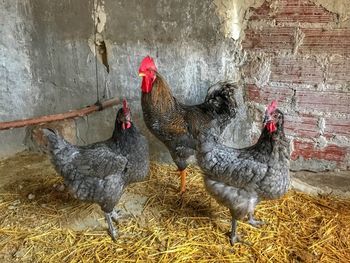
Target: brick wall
[[299, 53]]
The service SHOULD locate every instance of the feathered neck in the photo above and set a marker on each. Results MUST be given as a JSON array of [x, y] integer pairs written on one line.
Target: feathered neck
[[120, 134], [161, 96], [269, 140]]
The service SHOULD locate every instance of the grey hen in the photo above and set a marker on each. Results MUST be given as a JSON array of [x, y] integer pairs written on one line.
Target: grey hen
[[240, 178], [101, 171]]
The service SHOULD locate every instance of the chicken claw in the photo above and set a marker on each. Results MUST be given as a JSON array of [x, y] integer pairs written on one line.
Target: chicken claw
[[234, 238], [256, 223], [116, 214]]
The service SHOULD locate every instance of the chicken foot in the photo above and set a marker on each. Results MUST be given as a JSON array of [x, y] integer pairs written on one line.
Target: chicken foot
[[111, 229], [256, 223], [234, 238], [116, 214]]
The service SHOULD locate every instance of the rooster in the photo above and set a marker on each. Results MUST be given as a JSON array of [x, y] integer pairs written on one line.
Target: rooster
[[177, 125], [240, 178], [100, 172]]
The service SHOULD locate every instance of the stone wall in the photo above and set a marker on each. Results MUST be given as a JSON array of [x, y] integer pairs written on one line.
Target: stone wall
[[298, 53]]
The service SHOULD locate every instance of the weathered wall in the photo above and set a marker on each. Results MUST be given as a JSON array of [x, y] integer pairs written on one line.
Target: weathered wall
[[298, 53], [58, 52], [15, 73], [295, 51]]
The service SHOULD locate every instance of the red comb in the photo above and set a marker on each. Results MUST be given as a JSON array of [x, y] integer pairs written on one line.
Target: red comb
[[146, 64], [272, 107]]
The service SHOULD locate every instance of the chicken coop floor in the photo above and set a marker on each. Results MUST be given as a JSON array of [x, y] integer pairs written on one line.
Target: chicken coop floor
[[40, 222]]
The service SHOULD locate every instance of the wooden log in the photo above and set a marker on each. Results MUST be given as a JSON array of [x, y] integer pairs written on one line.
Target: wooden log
[[60, 116]]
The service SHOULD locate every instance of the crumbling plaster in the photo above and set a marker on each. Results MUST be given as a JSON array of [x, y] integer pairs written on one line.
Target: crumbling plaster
[[48, 59]]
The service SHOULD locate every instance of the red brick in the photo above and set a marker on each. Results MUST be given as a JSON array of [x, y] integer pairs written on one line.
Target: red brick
[[254, 93], [289, 11], [266, 94], [337, 126], [332, 41], [301, 126], [296, 70], [308, 151], [271, 39], [338, 70], [324, 101]]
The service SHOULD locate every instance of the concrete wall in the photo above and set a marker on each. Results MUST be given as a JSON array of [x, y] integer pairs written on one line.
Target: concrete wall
[[48, 64], [57, 53]]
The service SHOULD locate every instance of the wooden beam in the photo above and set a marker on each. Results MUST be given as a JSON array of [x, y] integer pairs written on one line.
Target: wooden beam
[[60, 116]]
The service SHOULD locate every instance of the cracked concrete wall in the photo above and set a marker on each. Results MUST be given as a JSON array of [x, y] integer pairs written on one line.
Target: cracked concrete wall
[[17, 97], [293, 51], [232, 15], [58, 51]]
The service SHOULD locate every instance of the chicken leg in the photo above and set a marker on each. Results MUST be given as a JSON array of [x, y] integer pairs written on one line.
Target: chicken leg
[[183, 181], [112, 231], [234, 238]]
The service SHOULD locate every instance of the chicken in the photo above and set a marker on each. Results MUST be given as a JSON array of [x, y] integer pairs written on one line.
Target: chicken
[[240, 178], [100, 172], [176, 124]]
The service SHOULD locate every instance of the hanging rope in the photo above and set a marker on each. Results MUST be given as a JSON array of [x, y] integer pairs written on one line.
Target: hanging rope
[[98, 106], [95, 47]]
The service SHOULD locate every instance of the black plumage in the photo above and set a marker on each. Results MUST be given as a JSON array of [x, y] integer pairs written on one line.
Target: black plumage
[[100, 172]]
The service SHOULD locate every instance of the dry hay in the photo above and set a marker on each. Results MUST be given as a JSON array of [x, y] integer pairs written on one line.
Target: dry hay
[[300, 228]]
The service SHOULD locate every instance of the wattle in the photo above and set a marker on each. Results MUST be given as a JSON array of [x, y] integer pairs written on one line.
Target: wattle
[[271, 127], [126, 125], [147, 83]]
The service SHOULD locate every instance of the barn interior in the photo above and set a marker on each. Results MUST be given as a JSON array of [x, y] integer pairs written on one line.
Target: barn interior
[[63, 57]]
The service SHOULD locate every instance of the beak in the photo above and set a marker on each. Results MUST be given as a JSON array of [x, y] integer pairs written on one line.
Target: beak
[[142, 74], [267, 118]]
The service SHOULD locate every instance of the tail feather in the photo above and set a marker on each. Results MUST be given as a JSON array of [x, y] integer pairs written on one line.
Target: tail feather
[[221, 98], [51, 136], [57, 145]]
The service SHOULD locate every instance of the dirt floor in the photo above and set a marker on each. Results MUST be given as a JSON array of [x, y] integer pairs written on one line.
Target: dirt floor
[[41, 222]]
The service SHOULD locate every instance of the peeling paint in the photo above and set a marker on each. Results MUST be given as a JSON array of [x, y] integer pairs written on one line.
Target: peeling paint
[[232, 13], [340, 7], [321, 125], [99, 16], [96, 41], [322, 142], [299, 38]]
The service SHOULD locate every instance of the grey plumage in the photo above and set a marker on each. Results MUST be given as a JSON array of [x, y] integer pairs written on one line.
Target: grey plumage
[[101, 171], [240, 178]]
